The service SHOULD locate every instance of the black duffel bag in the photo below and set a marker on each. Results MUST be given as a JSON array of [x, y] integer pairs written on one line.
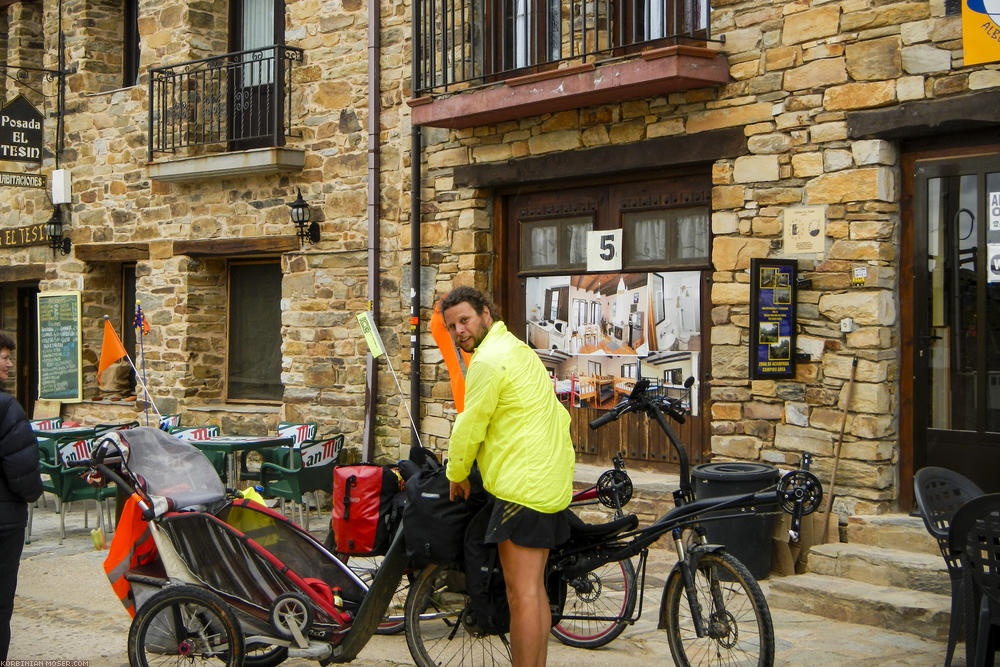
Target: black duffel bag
[[433, 525]]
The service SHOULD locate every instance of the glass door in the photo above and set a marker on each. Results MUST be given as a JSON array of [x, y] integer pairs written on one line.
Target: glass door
[[956, 306], [255, 75]]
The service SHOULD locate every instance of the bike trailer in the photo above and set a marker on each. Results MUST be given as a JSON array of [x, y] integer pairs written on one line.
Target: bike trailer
[[365, 511]]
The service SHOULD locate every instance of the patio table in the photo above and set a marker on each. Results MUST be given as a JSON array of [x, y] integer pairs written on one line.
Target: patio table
[[234, 444]]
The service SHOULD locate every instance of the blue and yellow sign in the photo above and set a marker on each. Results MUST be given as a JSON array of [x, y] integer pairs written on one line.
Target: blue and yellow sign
[[981, 31]]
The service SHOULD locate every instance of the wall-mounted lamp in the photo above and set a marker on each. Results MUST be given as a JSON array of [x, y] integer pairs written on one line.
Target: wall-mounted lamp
[[54, 231], [299, 212]]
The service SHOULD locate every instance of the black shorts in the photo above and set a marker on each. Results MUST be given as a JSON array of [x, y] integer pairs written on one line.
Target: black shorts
[[525, 527]]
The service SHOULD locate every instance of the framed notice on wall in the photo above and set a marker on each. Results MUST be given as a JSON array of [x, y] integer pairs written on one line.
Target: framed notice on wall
[[772, 318], [59, 360]]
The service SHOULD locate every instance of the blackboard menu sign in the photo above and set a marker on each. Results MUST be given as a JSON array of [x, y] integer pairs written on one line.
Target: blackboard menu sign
[[59, 364], [772, 318]]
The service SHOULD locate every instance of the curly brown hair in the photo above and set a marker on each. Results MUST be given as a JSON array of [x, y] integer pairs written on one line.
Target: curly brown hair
[[471, 296]]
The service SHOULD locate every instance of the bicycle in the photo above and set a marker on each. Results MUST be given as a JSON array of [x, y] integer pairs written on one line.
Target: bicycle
[[606, 592], [712, 607]]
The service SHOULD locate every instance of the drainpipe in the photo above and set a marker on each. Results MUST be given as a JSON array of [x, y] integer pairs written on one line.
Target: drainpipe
[[415, 236], [374, 213]]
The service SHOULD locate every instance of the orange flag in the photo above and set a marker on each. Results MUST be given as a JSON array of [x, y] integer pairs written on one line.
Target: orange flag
[[111, 349], [439, 331]]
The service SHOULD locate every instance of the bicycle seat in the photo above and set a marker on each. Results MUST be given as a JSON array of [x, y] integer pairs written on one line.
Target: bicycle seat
[[578, 529]]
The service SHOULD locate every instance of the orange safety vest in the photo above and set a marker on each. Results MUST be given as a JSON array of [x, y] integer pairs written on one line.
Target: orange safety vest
[[131, 546]]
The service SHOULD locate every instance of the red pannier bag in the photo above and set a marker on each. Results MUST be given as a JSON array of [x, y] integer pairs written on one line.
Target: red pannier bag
[[364, 514]]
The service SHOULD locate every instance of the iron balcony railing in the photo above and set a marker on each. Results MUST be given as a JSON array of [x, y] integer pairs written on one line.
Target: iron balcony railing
[[463, 43], [238, 100]]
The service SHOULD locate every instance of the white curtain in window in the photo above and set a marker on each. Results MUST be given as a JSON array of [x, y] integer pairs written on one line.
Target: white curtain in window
[[522, 30], [691, 235], [656, 26], [649, 238], [578, 243], [544, 247], [258, 32]]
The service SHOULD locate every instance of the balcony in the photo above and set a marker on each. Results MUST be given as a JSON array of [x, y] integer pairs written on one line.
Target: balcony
[[223, 116], [486, 61]]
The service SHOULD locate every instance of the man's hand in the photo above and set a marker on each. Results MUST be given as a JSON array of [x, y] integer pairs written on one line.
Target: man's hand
[[460, 490]]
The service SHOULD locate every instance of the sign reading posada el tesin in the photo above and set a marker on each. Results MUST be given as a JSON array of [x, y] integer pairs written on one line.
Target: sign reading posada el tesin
[[21, 133]]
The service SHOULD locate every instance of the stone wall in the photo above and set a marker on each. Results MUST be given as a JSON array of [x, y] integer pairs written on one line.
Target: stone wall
[[184, 298], [797, 70]]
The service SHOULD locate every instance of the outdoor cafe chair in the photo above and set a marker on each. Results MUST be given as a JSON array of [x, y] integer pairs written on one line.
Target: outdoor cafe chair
[[975, 534], [310, 470], [69, 486], [299, 431], [939, 493], [195, 433]]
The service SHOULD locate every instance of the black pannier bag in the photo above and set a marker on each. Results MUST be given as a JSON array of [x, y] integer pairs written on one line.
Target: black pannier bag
[[364, 512], [484, 581], [433, 525]]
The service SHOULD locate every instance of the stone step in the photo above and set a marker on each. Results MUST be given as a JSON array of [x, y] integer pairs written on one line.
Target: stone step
[[887, 607], [877, 565], [892, 531]]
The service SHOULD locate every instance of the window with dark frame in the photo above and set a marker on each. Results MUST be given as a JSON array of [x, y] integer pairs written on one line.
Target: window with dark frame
[[555, 243], [130, 43], [129, 334], [253, 370]]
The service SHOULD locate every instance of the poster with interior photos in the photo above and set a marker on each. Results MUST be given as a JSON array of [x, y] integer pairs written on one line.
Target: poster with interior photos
[[597, 333]]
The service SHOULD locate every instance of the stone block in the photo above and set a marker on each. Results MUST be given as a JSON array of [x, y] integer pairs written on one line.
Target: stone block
[[724, 222], [867, 397], [811, 24], [925, 59], [797, 414], [870, 337], [837, 159], [762, 410], [566, 140], [729, 117], [852, 185], [809, 164], [875, 59], [866, 308], [780, 58], [873, 426], [727, 411], [873, 151], [730, 361], [816, 74], [728, 196], [734, 253], [859, 95], [823, 132], [910, 88], [736, 446], [726, 335], [800, 439], [755, 168]]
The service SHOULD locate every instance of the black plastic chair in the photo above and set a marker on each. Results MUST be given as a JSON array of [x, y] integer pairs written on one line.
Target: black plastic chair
[[940, 493], [975, 533]]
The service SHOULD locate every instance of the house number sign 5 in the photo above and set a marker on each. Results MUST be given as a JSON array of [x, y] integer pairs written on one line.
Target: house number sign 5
[[604, 250]]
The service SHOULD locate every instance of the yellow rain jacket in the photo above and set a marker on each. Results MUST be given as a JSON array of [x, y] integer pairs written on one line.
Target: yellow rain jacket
[[514, 424]]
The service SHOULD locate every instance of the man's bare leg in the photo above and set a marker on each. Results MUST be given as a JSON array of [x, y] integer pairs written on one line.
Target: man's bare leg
[[530, 618]]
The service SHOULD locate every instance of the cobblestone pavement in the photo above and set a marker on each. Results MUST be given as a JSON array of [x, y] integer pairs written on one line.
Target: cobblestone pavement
[[65, 609]]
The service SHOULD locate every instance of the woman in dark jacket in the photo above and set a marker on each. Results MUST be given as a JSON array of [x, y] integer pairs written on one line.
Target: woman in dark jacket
[[20, 484]]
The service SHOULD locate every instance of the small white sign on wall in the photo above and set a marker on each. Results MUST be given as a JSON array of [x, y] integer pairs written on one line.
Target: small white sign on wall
[[604, 250], [994, 207], [993, 262], [805, 229]]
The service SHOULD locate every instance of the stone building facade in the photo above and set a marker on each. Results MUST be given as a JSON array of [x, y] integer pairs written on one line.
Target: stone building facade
[[835, 105]]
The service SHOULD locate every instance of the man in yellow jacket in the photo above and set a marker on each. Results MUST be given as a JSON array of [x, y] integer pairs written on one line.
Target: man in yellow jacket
[[519, 432]]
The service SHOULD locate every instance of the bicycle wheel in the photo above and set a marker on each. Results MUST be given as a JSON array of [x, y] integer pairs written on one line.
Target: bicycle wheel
[[606, 592], [366, 567], [185, 623], [733, 608], [436, 629]]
